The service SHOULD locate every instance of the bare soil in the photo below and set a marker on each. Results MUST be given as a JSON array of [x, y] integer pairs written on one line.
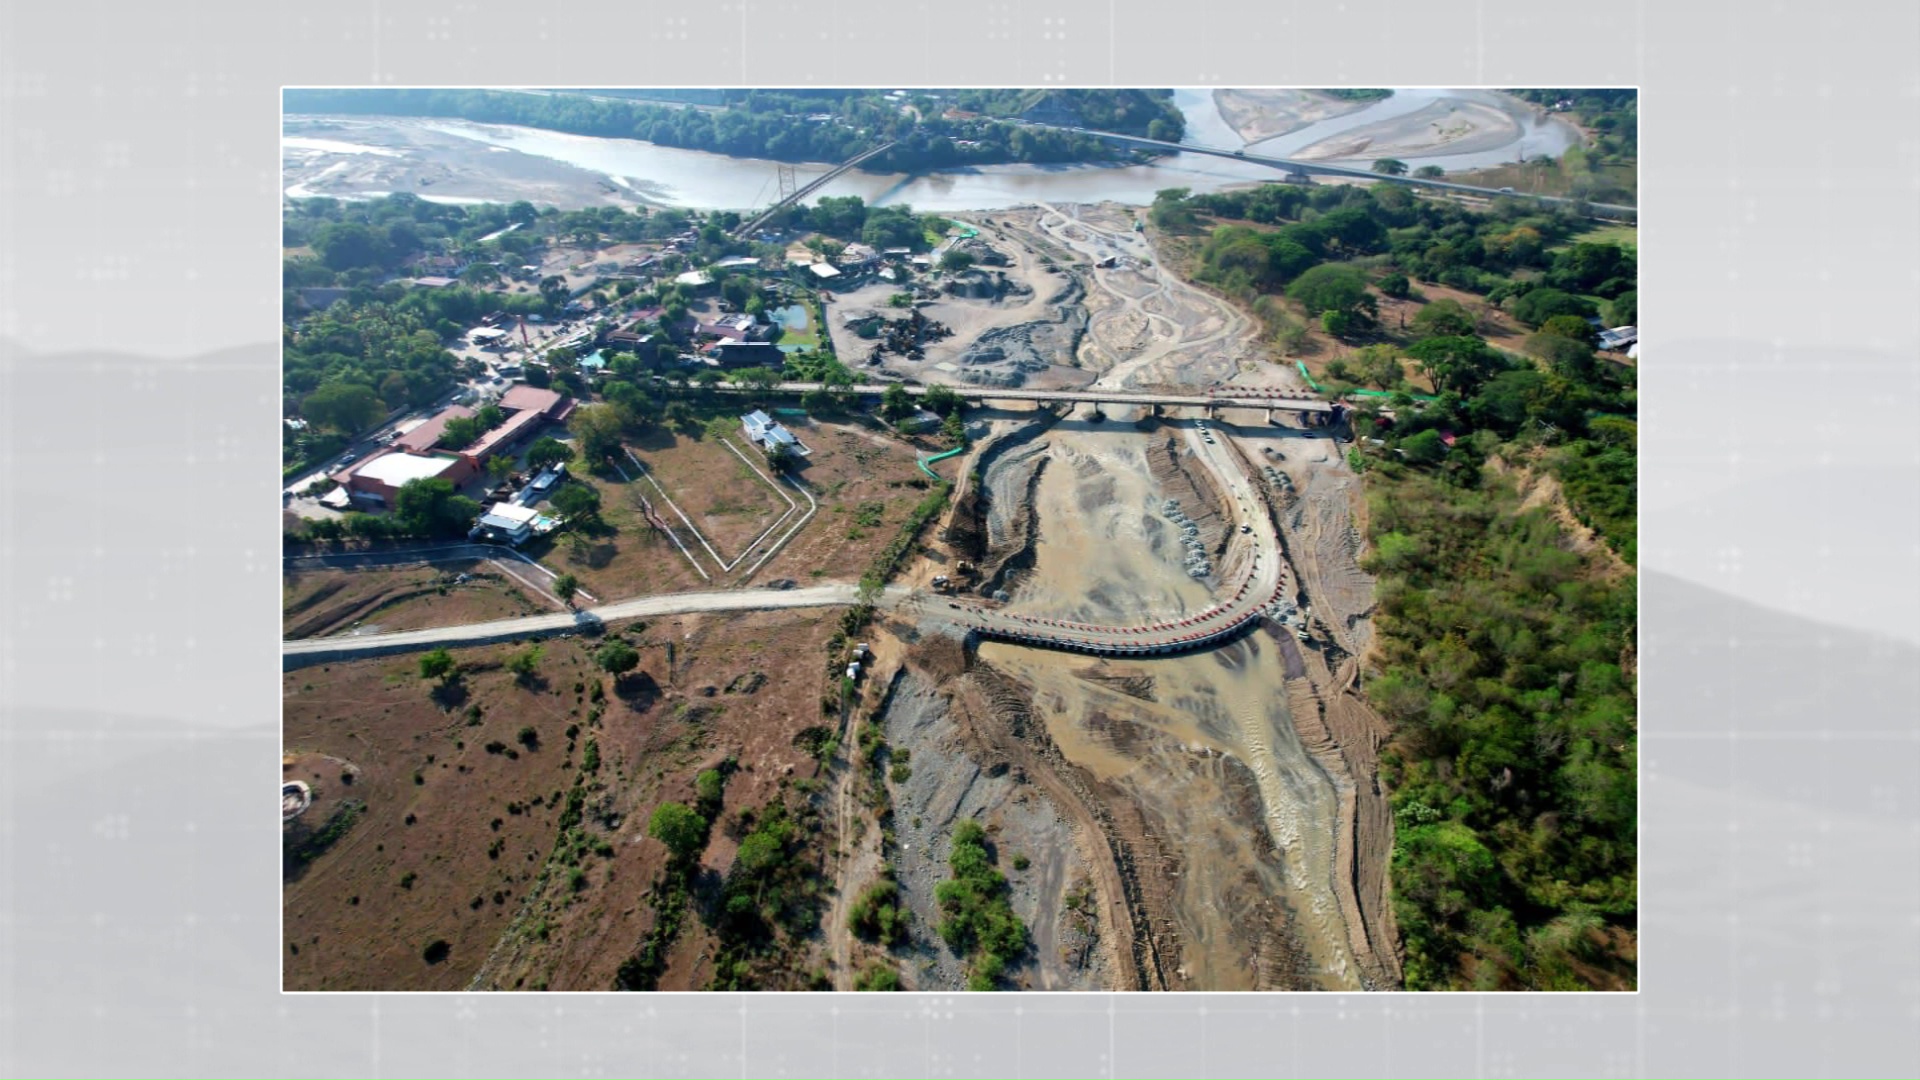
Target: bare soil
[[319, 602], [665, 721]]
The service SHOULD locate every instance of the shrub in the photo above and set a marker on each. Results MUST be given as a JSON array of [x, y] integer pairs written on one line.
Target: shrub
[[436, 951]]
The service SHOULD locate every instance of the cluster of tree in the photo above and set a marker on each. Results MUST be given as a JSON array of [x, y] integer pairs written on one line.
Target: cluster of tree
[[771, 899], [849, 218], [978, 923], [775, 124], [344, 368], [1612, 115], [881, 914], [1148, 113], [1513, 763]]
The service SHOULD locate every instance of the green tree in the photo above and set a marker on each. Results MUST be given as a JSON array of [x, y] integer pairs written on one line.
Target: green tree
[[547, 451], [1395, 284], [525, 664], [577, 502], [437, 664], [1541, 304], [431, 506], [955, 260], [941, 399], [1390, 167], [566, 586], [762, 379], [598, 427], [1430, 172], [616, 658], [348, 408], [1624, 310], [1337, 288], [679, 827], [1571, 327], [895, 402], [1424, 447], [1459, 364], [1443, 318]]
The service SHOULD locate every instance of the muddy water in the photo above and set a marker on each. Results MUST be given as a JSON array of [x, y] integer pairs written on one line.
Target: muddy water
[[1209, 752]]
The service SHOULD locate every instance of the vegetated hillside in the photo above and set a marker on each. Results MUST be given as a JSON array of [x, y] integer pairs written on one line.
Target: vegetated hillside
[[1504, 642], [781, 125]]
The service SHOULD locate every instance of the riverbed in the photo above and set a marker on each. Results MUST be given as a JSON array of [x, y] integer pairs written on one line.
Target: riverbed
[[458, 162]]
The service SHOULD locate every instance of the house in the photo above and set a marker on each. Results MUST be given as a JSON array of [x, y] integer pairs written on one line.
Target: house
[[506, 522], [920, 420], [823, 271], [858, 256], [737, 262], [486, 336], [1619, 338], [696, 280], [767, 433]]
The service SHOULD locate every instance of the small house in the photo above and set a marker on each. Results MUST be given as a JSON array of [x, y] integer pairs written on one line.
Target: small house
[[769, 434]]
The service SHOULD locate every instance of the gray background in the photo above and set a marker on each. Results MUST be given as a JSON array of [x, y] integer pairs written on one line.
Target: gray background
[[138, 554]]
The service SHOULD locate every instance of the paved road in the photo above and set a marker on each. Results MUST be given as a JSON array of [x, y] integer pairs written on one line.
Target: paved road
[[308, 651], [1221, 397]]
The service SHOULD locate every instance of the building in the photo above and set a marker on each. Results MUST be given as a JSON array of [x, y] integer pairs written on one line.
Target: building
[[1619, 338], [376, 481], [551, 404], [505, 522], [767, 433], [737, 262], [433, 282], [857, 257], [824, 271], [421, 439], [697, 280], [736, 354]]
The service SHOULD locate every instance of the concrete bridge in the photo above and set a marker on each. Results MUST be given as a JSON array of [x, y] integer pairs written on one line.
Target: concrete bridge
[[1209, 398], [1303, 169], [748, 228]]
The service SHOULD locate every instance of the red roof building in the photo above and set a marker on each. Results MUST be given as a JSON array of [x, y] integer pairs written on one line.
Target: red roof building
[[428, 435]]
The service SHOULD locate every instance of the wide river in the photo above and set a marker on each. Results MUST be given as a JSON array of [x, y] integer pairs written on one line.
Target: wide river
[[697, 180]]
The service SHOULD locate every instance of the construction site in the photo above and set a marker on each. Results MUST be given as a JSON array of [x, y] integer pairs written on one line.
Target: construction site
[[1126, 648]]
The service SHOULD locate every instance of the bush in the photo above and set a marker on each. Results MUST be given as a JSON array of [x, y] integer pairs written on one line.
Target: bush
[[880, 914], [436, 951], [528, 737], [979, 923], [877, 977]]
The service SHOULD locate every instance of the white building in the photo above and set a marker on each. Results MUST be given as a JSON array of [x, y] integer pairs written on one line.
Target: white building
[[768, 433], [507, 521]]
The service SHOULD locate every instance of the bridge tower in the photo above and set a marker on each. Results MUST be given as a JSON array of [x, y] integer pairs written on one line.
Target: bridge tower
[[788, 185]]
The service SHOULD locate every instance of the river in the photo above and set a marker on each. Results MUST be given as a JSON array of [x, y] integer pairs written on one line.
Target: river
[[497, 159]]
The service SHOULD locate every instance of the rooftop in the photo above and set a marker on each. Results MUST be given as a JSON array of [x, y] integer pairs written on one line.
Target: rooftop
[[530, 399], [396, 469], [516, 424], [824, 270], [513, 513], [422, 439]]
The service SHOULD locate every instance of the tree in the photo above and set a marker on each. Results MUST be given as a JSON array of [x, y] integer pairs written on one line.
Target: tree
[[547, 451], [1443, 318], [499, 467], [437, 664], [1425, 447], [348, 408], [1430, 172], [598, 427], [564, 587], [954, 428], [780, 456], [762, 379], [1624, 310], [941, 399], [1541, 304], [616, 658], [955, 260], [895, 402], [1380, 366], [1396, 285], [1571, 327], [1335, 287], [1459, 364], [1569, 357], [1390, 167], [679, 827], [431, 506], [577, 502], [523, 665]]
